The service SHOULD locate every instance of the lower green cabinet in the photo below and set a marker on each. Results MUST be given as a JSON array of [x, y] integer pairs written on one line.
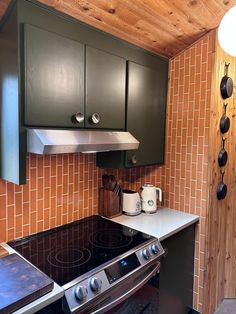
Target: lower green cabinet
[[177, 273], [145, 118]]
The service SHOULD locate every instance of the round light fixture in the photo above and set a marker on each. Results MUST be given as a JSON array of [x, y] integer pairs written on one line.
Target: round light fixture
[[226, 35]]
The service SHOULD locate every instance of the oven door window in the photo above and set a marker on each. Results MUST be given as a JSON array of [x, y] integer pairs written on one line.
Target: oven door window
[[143, 301]]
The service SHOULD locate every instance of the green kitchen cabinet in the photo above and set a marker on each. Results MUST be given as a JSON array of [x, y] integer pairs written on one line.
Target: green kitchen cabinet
[[56, 83], [145, 119], [53, 66], [54, 79], [105, 90]]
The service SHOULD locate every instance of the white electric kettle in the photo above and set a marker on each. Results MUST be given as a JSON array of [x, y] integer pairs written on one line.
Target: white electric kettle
[[149, 198]]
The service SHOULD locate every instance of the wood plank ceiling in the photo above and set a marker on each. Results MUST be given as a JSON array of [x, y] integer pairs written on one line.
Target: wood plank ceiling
[[165, 27]]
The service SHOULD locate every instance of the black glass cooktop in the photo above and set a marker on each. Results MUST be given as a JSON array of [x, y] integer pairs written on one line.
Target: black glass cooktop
[[72, 250]]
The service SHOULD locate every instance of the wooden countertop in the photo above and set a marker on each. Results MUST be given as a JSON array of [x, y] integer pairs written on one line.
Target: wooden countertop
[[3, 252]]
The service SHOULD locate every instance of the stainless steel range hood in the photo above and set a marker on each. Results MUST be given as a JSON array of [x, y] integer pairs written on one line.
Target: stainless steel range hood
[[45, 141]]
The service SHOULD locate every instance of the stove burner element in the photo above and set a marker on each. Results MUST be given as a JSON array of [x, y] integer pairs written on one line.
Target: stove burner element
[[110, 239], [69, 257]]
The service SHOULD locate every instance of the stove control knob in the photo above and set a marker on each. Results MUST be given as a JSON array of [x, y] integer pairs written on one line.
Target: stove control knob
[[146, 254], [155, 249], [95, 284], [81, 293]]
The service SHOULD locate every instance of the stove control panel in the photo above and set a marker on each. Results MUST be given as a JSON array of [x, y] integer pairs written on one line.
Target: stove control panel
[[146, 254], [150, 252], [95, 284], [87, 289], [155, 249], [81, 292]]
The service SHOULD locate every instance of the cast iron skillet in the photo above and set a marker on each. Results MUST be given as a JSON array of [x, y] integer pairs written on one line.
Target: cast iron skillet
[[223, 155], [226, 85], [221, 191], [224, 122]]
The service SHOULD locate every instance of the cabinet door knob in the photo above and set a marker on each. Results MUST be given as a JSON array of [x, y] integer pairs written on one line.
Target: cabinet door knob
[[134, 160], [95, 118], [78, 117]]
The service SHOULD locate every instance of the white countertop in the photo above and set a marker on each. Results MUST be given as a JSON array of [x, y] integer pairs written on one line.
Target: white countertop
[[162, 224]]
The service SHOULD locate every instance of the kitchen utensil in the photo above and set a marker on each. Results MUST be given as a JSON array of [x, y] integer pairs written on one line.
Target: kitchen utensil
[[149, 198], [118, 189], [221, 191], [109, 182], [224, 121], [105, 181], [21, 283], [131, 203], [226, 85], [112, 182], [223, 155], [109, 203]]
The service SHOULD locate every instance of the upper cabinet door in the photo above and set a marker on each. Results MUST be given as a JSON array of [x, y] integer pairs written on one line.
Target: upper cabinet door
[[105, 90], [54, 79], [146, 114]]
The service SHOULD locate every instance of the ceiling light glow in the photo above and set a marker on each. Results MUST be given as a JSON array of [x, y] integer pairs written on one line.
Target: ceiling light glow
[[226, 32]]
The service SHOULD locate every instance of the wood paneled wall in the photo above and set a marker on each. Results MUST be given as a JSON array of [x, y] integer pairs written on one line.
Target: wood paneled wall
[[221, 219], [229, 208]]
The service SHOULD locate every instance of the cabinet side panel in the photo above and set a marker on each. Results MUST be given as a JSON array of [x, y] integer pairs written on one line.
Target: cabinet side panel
[[12, 141], [176, 275]]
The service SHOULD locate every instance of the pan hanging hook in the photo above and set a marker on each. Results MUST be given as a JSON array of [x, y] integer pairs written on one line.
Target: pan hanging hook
[[226, 68], [222, 172]]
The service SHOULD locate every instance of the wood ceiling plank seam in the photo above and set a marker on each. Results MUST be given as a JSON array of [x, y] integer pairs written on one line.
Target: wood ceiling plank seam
[[188, 16], [163, 37], [160, 20], [162, 24], [148, 14], [223, 6], [174, 12], [215, 7], [186, 12], [116, 8], [202, 9], [98, 16]]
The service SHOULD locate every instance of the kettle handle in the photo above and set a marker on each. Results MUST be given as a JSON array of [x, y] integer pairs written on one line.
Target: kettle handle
[[160, 194]]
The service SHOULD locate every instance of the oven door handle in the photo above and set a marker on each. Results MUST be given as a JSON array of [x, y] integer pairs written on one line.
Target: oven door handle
[[129, 293]]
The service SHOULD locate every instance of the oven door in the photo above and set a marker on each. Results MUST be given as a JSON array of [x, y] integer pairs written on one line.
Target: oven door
[[137, 294]]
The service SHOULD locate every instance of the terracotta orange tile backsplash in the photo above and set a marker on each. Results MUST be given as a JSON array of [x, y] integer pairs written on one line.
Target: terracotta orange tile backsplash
[[185, 174], [63, 188], [59, 189]]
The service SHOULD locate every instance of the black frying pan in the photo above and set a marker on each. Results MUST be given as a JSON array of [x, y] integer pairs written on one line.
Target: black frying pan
[[221, 191], [224, 122], [223, 155], [226, 85]]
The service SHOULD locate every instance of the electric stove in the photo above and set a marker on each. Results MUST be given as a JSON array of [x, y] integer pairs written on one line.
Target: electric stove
[[91, 259]]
